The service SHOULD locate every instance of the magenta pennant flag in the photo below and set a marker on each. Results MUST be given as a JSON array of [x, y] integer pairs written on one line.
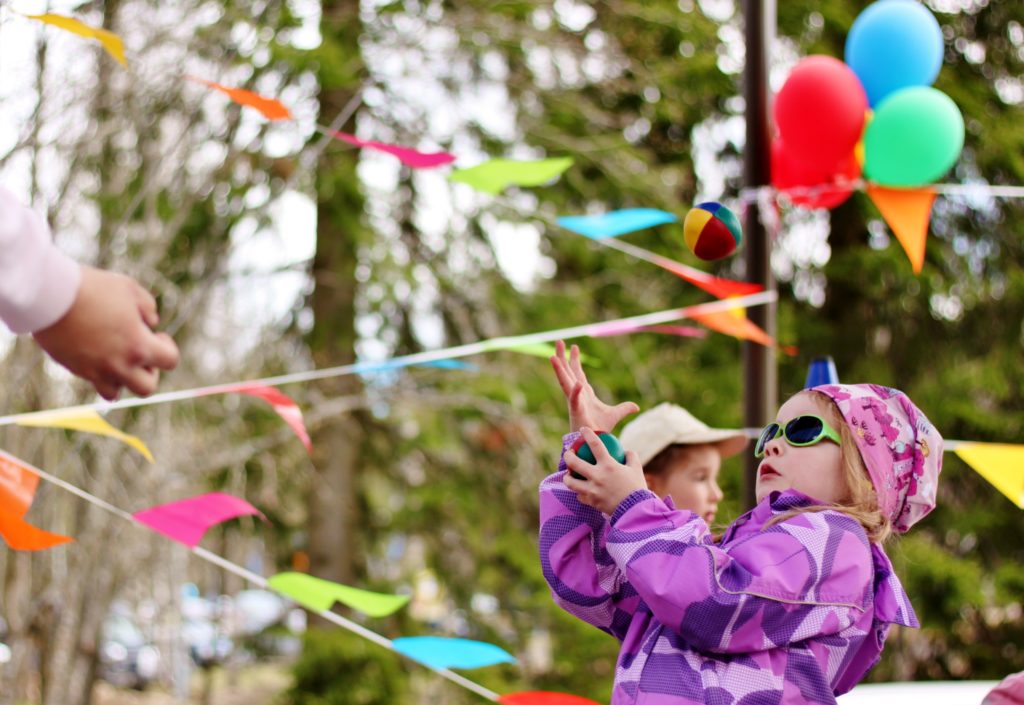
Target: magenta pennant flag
[[682, 331], [186, 521], [283, 404], [408, 156]]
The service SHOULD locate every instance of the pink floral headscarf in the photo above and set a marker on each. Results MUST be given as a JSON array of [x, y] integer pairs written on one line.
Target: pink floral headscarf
[[899, 445]]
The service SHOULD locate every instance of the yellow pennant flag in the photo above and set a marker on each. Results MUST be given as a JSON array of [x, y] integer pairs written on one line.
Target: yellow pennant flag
[[110, 41], [88, 421], [1001, 464]]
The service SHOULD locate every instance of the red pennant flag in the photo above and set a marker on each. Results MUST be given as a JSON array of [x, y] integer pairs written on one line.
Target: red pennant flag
[[717, 287], [907, 211], [540, 697], [284, 405]]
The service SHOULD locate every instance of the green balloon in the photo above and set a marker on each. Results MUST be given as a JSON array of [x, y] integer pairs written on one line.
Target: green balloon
[[915, 136]]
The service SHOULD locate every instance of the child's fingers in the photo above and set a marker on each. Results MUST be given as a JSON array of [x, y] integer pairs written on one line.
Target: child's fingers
[[596, 446], [576, 365], [633, 461], [565, 380], [626, 408], [580, 467]]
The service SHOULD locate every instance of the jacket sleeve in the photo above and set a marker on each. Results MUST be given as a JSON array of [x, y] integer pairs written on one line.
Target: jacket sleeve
[[807, 576], [583, 578], [38, 283]]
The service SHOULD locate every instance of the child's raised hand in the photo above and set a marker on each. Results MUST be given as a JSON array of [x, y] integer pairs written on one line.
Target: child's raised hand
[[607, 483], [585, 409]]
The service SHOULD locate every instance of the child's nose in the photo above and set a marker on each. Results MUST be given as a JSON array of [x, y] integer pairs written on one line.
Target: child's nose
[[774, 446]]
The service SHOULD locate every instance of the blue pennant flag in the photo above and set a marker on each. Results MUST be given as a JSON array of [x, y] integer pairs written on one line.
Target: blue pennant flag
[[616, 223], [442, 652]]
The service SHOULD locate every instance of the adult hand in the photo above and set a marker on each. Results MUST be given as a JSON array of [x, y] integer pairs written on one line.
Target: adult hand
[[106, 336], [585, 409], [607, 482]]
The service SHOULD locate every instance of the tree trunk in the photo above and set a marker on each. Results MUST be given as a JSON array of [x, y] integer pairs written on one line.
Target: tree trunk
[[333, 508]]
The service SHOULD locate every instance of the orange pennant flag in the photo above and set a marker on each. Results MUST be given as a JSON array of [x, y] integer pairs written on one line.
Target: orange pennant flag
[[907, 211], [271, 109], [739, 327], [17, 489], [22, 536]]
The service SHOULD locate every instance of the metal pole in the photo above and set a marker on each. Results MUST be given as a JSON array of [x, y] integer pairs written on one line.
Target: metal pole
[[760, 383]]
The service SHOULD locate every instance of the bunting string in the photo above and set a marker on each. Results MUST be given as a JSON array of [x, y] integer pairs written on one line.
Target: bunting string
[[253, 578], [492, 344]]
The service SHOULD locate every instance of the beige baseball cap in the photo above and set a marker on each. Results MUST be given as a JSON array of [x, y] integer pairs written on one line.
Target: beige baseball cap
[[656, 429]]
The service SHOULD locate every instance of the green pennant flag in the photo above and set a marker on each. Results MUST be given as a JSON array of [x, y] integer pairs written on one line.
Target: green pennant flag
[[320, 595], [544, 350], [492, 177]]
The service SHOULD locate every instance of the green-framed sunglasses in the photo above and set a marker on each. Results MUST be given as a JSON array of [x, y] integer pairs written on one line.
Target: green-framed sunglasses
[[802, 431]]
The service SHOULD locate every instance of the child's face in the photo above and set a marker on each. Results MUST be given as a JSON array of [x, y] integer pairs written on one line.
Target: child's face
[[816, 471], [692, 481]]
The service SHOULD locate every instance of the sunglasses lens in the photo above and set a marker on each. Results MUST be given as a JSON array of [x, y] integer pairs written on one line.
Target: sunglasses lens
[[770, 431], [804, 429]]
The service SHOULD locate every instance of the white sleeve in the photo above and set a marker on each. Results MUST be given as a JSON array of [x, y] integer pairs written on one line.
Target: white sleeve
[[38, 283]]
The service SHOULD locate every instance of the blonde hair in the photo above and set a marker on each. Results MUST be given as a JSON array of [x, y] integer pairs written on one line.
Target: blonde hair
[[860, 500]]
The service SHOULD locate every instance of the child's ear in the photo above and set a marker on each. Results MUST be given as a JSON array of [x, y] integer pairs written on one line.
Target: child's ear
[[653, 483]]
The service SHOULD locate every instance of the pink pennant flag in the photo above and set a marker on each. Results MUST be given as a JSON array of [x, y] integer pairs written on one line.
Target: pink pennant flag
[[283, 404], [408, 156], [613, 328], [681, 331], [187, 520]]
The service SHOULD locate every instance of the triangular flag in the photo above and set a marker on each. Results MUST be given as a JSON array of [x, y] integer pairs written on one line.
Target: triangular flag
[[319, 595], [716, 286], [681, 331], [408, 156], [739, 327], [544, 350], [614, 328], [907, 211], [22, 536], [450, 365], [443, 652], [1001, 464], [86, 420], [540, 697], [285, 407], [187, 520], [18, 485], [598, 227], [110, 41], [270, 108], [493, 176]]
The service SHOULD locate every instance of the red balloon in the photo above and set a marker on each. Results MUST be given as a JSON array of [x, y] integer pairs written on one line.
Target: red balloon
[[820, 111], [793, 177]]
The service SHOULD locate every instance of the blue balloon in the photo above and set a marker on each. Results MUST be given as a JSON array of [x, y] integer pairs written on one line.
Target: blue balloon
[[894, 44]]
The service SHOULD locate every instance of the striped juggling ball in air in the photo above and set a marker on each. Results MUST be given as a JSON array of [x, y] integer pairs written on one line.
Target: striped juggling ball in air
[[712, 231]]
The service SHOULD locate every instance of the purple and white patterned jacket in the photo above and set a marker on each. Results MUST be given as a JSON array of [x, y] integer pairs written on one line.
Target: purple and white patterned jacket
[[793, 613]]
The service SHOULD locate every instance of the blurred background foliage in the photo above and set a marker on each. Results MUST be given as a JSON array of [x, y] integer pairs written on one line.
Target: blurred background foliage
[[425, 479]]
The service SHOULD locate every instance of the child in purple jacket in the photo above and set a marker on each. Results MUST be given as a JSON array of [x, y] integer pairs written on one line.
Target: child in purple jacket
[[794, 603]]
